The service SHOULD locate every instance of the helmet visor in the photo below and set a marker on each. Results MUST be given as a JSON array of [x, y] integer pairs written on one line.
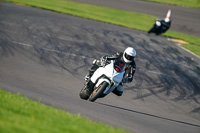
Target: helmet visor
[[128, 57]]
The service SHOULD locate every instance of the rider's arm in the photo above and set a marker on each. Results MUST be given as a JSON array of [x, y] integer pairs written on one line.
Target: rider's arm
[[114, 56], [105, 59], [130, 72]]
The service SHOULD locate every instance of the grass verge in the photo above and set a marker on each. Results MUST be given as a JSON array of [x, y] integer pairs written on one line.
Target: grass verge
[[128, 19], [184, 3], [21, 115]]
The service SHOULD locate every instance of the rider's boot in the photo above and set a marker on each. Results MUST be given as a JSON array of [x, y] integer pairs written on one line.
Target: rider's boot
[[91, 71], [88, 76]]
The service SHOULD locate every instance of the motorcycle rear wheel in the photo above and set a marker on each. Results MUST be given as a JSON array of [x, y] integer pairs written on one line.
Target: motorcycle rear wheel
[[98, 91]]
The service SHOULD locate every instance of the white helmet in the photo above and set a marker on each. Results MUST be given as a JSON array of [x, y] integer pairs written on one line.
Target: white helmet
[[129, 54]]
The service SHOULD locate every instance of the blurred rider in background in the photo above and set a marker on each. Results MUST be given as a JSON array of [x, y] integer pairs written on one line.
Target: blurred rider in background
[[127, 57], [161, 26]]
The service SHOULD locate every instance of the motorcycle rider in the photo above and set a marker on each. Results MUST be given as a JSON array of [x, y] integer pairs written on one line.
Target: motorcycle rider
[[162, 25], [127, 56]]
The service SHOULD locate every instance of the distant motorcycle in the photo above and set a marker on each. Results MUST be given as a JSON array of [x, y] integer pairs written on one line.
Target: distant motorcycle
[[106, 79], [161, 26]]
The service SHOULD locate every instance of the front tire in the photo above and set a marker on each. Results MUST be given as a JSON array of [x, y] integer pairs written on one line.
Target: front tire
[[84, 94], [98, 91]]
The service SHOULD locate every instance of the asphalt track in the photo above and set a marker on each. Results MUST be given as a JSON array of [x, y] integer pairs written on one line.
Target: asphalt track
[[184, 20], [44, 55]]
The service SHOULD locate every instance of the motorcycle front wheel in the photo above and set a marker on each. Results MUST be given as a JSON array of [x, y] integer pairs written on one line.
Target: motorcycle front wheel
[[84, 94], [98, 91]]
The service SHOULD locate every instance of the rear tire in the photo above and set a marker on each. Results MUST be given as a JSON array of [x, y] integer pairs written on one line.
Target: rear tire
[[98, 91]]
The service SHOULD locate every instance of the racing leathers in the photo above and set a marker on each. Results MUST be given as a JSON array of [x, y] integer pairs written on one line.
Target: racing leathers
[[128, 76]]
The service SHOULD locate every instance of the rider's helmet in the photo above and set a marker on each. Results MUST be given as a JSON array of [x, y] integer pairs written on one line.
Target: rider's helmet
[[129, 54]]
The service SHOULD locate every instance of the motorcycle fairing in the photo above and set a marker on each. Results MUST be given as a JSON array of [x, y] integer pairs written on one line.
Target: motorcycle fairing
[[109, 72]]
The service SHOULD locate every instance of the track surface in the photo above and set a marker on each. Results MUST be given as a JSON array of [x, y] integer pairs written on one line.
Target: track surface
[[45, 55], [185, 20]]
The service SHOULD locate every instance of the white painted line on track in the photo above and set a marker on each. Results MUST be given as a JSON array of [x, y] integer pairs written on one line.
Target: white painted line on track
[[188, 50], [24, 44], [179, 43]]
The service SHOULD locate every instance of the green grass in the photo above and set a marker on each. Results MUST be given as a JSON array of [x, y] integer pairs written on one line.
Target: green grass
[[193, 48], [184, 3], [128, 19], [21, 115]]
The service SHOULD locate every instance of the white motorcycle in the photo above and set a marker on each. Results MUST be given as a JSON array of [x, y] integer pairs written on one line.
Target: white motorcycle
[[106, 79]]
